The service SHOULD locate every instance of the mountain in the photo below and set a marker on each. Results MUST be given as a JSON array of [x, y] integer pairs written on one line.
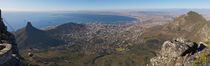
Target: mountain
[[30, 36], [94, 41], [68, 28], [181, 52], [191, 26]]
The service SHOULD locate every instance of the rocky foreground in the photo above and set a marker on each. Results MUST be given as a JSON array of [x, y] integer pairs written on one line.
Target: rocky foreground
[[182, 52]]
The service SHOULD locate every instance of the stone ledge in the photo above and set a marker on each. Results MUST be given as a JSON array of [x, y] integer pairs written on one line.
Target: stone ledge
[[7, 48], [5, 53]]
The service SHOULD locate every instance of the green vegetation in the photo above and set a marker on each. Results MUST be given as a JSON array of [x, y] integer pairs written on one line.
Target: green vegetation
[[60, 57], [207, 42], [119, 49], [138, 55], [4, 36], [201, 59]]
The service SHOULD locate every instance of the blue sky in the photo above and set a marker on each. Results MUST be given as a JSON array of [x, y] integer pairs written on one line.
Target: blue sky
[[71, 5]]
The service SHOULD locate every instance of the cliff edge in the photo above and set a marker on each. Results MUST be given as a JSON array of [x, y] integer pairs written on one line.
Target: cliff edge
[[9, 55]]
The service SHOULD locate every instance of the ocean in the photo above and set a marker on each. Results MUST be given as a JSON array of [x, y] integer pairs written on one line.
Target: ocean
[[17, 20]]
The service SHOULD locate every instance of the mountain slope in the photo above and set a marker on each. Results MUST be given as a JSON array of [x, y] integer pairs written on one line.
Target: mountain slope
[[188, 26], [29, 36], [191, 26], [179, 52], [68, 28]]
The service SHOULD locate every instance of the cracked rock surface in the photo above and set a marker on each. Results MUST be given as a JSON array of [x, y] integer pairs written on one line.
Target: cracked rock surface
[[182, 52]]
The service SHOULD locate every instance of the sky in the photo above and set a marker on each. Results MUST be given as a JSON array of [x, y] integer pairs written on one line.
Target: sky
[[79, 5]]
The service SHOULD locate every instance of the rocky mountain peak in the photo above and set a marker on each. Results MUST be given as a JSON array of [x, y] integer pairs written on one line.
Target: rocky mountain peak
[[30, 27], [29, 24], [188, 25], [192, 13], [194, 17], [189, 18], [32, 34]]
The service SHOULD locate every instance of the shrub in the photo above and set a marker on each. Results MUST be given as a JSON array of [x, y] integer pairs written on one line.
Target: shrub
[[207, 42], [119, 49], [201, 59], [3, 36]]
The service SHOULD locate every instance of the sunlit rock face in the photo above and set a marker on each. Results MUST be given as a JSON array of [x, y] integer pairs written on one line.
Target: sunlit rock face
[[182, 52]]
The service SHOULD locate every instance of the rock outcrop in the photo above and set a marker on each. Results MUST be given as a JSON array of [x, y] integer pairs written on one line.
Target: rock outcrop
[[9, 55], [182, 52]]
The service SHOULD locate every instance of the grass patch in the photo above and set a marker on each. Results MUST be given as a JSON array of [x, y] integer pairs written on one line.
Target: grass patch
[[207, 42], [119, 49], [201, 59]]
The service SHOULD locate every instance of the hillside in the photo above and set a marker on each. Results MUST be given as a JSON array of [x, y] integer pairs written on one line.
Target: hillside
[[93, 42], [191, 26], [31, 37]]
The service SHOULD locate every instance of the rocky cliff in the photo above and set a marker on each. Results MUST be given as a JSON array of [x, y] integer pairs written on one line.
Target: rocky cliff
[[182, 52], [192, 26], [9, 55]]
